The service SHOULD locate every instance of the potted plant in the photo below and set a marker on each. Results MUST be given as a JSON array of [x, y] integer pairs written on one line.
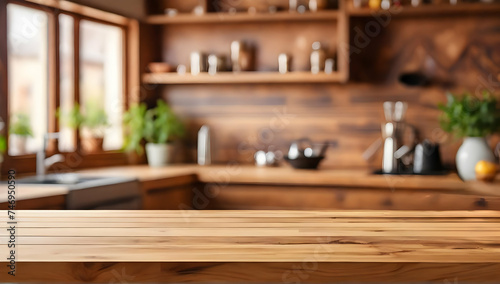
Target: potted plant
[[133, 126], [473, 119], [20, 130], [3, 144], [91, 122], [94, 123], [161, 127]]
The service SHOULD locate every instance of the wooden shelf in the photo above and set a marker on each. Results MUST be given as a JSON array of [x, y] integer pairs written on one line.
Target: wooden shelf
[[431, 10], [241, 17], [242, 78]]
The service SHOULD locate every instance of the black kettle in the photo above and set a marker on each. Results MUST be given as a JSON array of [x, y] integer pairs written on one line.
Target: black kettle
[[427, 158]]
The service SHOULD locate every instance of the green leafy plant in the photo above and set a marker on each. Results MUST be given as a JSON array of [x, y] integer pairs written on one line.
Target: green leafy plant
[[3, 144], [72, 119], [3, 140], [470, 116], [20, 124], [162, 125], [134, 123], [92, 117]]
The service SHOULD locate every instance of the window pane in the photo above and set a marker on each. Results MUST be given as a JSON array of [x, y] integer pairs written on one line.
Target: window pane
[[67, 141], [101, 80], [28, 78]]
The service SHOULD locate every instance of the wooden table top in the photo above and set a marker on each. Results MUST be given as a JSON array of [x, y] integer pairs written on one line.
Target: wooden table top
[[255, 236]]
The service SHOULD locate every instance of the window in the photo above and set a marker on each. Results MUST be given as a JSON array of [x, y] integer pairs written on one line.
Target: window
[[67, 140], [27, 78], [101, 77], [59, 57]]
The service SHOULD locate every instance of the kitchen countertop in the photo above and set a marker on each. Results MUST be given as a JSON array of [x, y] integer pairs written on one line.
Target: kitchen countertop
[[445, 238], [239, 174]]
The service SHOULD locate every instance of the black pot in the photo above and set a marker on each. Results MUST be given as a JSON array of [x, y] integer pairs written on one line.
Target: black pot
[[306, 163]]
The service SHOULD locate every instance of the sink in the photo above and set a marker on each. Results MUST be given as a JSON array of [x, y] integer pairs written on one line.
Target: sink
[[63, 179], [102, 193]]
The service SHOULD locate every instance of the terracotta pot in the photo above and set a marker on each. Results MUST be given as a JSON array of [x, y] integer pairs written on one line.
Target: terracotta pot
[[92, 145], [135, 159]]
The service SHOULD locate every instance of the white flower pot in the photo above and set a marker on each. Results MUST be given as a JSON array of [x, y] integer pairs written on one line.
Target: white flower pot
[[473, 150], [19, 144], [159, 155]]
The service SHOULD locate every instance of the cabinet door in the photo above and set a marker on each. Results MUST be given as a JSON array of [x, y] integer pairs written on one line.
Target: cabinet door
[[245, 197], [45, 203], [171, 198]]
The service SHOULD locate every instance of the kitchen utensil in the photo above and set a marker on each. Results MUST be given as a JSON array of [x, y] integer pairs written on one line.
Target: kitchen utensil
[[399, 137], [427, 158], [395, 111], [304, 147], [260, 159], [204, 147], [305, 162], [263, 158]]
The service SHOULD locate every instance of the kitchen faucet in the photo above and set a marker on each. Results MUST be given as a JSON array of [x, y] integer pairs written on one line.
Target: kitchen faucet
[[43, 163]]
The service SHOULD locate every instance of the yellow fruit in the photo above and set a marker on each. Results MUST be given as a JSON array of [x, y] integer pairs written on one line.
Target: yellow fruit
[[486, 171]]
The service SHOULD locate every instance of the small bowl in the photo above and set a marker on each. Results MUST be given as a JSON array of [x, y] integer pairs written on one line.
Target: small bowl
[[160, 67], [305, 163]]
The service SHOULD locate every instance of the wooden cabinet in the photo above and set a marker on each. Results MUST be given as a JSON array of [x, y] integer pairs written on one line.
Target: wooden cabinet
[[253, 197], [169, 194], [45, 203], [169, 198]]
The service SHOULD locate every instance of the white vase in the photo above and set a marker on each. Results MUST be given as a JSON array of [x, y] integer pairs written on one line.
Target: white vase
[[159, 155], [473, 150]]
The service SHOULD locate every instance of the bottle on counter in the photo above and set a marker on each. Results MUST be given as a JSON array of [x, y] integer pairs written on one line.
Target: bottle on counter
[[204, 146], [318, 57], [284, 61]]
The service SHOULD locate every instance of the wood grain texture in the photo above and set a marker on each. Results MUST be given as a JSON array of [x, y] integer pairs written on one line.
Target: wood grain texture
[[241, 78], [305, 272], [256, 246]]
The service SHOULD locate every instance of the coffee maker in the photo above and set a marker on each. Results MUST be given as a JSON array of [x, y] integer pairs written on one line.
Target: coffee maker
[[398, 138]]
